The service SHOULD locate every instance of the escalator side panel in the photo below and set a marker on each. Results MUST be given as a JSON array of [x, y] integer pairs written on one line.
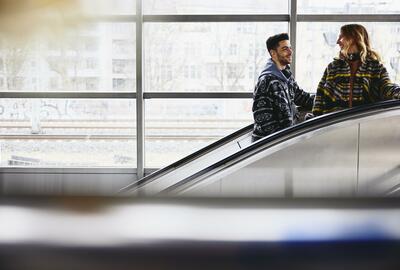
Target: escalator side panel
[[321, 165], [379, 155]]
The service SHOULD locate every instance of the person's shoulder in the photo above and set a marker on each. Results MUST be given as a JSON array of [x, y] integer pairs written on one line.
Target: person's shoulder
[[267, 77], [374, 62], [270, 82], [335, 65], [336, 62], [374, 65]]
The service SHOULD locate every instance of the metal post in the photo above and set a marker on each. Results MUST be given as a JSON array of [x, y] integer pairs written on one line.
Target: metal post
[[139, 91], [292, 32]]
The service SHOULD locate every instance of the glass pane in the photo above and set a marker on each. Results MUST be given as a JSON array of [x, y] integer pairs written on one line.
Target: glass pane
[[348, 7], [215, 7], [211, 57], [114, 7], [316, 47], [64, 8], [87, 57], [176, 128], [68, 133]]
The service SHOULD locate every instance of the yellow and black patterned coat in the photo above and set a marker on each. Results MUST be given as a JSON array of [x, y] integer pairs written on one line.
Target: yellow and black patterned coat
[[371, 84]]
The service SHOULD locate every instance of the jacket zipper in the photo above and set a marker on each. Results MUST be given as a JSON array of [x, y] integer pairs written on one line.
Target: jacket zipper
[[353, 71], [351, 90]]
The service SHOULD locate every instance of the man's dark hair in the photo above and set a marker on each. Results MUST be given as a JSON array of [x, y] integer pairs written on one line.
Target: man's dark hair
[[273, 41]]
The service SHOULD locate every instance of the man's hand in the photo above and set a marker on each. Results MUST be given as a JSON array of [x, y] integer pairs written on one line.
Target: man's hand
[[308, 116]]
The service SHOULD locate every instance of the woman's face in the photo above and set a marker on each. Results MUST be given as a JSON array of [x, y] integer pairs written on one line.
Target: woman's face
[[344, 42]]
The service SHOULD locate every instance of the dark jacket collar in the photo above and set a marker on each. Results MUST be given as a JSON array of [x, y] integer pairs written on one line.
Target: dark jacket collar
[[272, 68]]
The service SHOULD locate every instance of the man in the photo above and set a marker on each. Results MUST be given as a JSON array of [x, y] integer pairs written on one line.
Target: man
[[277, 93]]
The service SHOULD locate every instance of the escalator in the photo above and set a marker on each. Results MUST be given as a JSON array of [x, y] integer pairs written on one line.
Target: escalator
[[196, 161], [354, 152]]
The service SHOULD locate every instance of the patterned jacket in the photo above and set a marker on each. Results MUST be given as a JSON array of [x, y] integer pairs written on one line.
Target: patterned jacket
[[371, 83], [275, 97]]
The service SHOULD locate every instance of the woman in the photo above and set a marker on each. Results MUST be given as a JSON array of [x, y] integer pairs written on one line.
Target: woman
[[356, 77]]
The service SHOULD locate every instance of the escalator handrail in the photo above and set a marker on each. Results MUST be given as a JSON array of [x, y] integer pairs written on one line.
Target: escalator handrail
[[289, 133], [153, 176]]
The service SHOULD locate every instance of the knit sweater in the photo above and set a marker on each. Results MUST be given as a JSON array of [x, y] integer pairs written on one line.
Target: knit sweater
[[371, 83], [275, 97]]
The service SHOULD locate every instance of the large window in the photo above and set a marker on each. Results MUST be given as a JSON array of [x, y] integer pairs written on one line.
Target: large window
[[67, 133], [80, 58], [71, 55], [91, 82], [207, 57], [175, 128]]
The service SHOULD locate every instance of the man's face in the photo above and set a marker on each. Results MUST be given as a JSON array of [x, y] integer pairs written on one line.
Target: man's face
[[283, 53]]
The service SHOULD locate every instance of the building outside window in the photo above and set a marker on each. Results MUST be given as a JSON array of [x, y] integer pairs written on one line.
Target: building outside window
[[92, 63], [15, 83]]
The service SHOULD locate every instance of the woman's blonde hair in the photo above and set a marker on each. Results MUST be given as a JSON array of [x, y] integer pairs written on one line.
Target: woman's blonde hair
[[359, 35]]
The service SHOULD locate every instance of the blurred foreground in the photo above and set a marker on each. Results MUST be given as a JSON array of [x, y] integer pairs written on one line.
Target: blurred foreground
[[99, 233]]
